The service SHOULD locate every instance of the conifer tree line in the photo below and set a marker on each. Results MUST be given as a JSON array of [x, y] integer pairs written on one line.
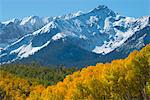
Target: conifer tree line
[[122, 79]]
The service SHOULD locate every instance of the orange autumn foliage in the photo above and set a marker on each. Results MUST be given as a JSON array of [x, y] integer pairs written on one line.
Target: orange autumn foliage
[[122, 79]]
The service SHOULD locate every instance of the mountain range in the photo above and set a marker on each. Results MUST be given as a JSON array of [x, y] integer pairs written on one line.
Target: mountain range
[[76, 39]]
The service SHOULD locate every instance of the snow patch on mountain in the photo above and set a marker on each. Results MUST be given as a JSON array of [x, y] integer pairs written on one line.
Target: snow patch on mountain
[[14, 20], [27, 50], [132, 25], [99, 32], [58, 36]]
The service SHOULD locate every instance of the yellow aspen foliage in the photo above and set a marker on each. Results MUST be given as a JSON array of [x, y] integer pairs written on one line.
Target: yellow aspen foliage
[[36, 93], [123, 79], [14, 88]]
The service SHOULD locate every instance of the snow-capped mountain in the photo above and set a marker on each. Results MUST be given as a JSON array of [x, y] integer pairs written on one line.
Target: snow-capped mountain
[[75, 39], [12, 30]]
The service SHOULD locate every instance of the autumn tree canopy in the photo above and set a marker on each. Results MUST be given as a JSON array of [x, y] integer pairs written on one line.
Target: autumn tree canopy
[[123, 79]]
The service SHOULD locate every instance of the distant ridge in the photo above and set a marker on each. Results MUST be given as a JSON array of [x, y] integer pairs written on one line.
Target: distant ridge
[[77, 39]]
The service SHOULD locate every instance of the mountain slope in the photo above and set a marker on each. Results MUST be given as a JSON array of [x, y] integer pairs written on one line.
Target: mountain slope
[[12, 30], [80, 39], [124, 79], [121, 79]]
